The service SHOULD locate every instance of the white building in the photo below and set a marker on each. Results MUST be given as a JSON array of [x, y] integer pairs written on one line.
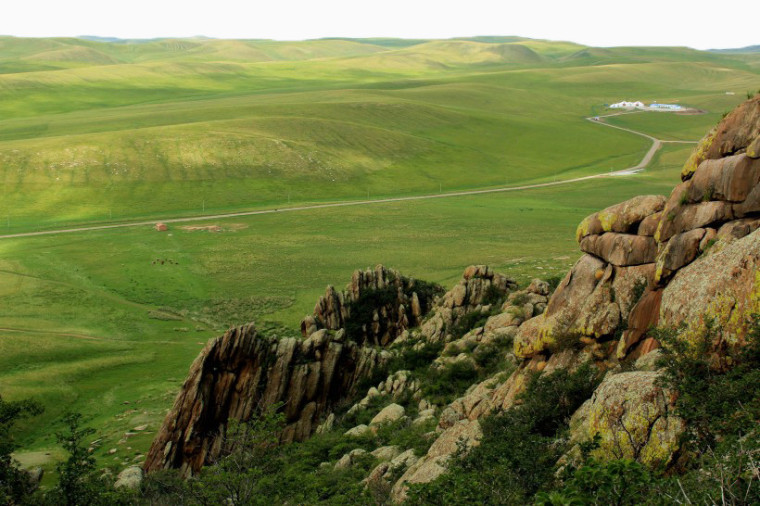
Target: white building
[[628, 105], [666, 107]]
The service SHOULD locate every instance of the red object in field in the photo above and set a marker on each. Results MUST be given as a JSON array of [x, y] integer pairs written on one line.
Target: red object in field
[[161, 227]]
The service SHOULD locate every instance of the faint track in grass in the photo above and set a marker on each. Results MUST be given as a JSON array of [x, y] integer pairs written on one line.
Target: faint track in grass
[[645, 161]]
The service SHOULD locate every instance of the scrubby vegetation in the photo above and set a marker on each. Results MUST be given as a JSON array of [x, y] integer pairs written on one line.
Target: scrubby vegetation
[[515, 462], [717, 397], [519, 449]]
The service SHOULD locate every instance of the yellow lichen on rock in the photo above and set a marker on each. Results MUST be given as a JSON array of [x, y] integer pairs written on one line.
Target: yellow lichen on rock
[[697, 156], [633, 418]]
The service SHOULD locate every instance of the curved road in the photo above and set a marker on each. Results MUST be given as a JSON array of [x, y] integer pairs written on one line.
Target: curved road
[[656, 144]]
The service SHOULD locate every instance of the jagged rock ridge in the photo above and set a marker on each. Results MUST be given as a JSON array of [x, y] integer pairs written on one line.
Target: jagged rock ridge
[[240, 372], [375, 308]]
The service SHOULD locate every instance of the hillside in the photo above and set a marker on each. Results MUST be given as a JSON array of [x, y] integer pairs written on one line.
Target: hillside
[[495, 394], [121, 131], [95, 133]]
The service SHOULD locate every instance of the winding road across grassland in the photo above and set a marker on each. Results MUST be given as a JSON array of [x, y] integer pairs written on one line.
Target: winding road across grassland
[[656, 145]]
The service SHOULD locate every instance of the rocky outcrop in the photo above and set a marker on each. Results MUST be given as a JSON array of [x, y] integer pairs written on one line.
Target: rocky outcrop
[[621, 249], [738, 132], [375, 308], [691, 259], [650, 261], [720, 289], [130, 478], [479, 287], [463, 435], [588, 307], [242, 372]]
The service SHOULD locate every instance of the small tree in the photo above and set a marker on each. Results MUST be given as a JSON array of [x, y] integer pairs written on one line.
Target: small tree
[[15, 485], [76, 485], [248, 455]]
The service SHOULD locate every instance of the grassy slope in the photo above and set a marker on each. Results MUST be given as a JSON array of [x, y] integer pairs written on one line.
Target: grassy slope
[[158, 136], [135, 140], [272, 269]]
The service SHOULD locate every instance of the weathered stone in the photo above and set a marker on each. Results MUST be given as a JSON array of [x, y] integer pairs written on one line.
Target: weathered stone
[[501, 320], [722, 287], [730, 178], [333, 309], [753, 150], [469, 295], [644, 316], [648, 225], [750, 205], [539, 287], [623, 217], [737, 131], [358, 431], [628, 284], [692, 216], [680, 250], [737, 229], [390, 413], [708, 239], [349, 459], [648, 361], [241, 372], [634, 418], [327, 425], [130, 478], [464, 434], [386, 453], [621, 249]]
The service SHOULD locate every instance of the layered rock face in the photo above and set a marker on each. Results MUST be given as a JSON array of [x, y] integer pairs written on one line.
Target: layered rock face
[[241, 372], [690, 259], [479, 286], [375, 308]]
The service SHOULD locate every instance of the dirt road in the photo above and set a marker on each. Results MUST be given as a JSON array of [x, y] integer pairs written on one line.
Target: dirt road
[[656, 144]]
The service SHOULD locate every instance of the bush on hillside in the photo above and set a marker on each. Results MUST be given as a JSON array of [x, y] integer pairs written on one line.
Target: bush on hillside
[[519, 448]]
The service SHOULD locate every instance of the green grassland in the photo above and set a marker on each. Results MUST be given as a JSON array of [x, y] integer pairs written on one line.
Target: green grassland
[[174, 128], [107, 322]]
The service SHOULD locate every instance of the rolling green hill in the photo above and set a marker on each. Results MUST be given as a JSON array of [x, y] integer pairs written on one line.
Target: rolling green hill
[[107, 322], [175, 127]]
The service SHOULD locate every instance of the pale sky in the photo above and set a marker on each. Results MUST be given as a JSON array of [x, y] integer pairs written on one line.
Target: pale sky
[[729, 23]]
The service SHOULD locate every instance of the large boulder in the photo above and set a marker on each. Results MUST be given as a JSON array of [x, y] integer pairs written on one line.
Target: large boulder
[[621, 249], [623, 218], [728, 179], [130, 478], [463, 435], [721, 288], [737, 132], [686, 217], [390, 413], [680, 250], [633, 417]]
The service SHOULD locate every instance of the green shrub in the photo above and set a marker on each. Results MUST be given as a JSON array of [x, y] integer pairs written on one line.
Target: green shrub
[[519, 448], [362, 310], [442, 385], [469, 321], [716, 402], [15, 487], [619, 482]]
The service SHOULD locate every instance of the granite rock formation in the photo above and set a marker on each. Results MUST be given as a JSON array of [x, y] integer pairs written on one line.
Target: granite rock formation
[[375, 308], [241, 372]]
